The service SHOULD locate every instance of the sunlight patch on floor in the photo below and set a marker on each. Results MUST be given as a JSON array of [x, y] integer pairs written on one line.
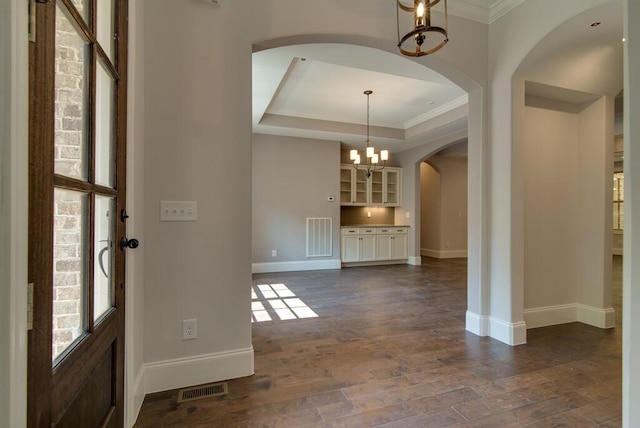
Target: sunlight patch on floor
[[280, 302]]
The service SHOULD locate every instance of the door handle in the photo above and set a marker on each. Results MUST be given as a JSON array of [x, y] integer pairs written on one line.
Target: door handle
[[129, 243]]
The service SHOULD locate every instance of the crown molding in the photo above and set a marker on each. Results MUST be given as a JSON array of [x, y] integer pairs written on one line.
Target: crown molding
[[470, 11], [460, 101], [501, 8], [480, 13]]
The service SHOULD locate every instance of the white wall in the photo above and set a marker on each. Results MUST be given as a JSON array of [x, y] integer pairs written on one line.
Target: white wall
[[197, 147], [429, 209], [631, 268], [444, 207], [568, 163], [595, 216], [551, 186], [13, 212], [292, 179]]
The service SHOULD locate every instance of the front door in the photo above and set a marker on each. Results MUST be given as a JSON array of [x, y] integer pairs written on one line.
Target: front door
[[77, 90]]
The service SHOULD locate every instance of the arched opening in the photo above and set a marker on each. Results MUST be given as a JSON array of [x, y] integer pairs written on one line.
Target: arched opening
[[443, 203], [462, 121], [564, 96]]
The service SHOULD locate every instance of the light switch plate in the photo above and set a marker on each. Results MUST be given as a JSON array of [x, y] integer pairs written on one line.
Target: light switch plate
[[178, 211]]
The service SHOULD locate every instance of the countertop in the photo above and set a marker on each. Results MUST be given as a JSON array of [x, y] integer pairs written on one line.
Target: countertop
[[376, 225]]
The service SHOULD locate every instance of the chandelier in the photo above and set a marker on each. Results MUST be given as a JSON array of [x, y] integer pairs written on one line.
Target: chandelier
[[427, 38], [370, 155]]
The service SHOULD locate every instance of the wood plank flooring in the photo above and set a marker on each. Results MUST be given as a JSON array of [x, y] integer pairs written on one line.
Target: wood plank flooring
[[389, 349]]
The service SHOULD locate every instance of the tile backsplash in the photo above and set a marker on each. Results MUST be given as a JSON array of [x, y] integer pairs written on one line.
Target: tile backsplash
[[350, 216]]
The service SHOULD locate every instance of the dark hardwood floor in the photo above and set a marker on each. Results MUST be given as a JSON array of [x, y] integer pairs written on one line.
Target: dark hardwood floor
[[388, 348]]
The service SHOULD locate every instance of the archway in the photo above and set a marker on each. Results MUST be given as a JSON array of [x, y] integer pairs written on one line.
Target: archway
[[411, 158], [564, 151]]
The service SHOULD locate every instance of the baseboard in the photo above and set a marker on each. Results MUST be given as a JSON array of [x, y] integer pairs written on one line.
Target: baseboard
[[415, 261], [597, 317], [443, 254], [295, 266], [573, 312], [477, 324], [182, 372], [135, 398], [550, 315], [510, 333]]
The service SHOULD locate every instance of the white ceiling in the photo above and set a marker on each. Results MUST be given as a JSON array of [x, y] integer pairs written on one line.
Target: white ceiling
[[316, 90]]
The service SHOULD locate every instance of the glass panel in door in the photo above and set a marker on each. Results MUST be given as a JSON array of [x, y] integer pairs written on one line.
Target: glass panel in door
[[361, 187], [105, 147], [84, 8], [104, 251], [105, 31], [69, 269], [392, 186], [376, 187], [71, 99]]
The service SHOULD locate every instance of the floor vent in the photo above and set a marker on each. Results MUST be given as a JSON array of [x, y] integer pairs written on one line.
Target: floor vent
[[202, 391]]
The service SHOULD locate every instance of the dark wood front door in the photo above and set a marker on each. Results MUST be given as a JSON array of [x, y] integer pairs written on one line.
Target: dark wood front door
[[77, 89]]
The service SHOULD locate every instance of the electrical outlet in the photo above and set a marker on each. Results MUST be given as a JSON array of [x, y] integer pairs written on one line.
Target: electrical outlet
[[189, 329], [274, 253]]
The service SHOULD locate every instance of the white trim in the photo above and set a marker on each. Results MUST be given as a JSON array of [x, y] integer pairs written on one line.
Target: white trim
[[295, 266], [501, 8], [453, 104], [182, 372], [508, 332], [477, 324], [135, 398], [573, 312], [14, 205], [550, 315], [597, 317], [415, 261], [134, 309], [443, 254]]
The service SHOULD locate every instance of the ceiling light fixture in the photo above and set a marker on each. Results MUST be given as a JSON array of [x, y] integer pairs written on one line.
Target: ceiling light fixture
[[370, 155], [421, 30]]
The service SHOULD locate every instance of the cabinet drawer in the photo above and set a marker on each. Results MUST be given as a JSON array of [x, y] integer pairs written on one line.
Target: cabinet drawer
[[349, 231], [392, 231], [368, 231]]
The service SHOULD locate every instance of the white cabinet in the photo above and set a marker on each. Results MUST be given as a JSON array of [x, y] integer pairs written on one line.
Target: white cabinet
[[358, 244], [354, 186], [385, 187], [372, 244], [381, 189], [391, 243]]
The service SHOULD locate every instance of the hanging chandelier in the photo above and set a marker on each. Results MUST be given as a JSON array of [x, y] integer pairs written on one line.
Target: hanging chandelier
[[427, 38], [371, 157]]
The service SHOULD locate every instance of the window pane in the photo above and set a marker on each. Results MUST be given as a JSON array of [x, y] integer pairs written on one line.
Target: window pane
[[69, 261], [84, 8], [105, 31], [71, 99], [103, 273], [104, 127]]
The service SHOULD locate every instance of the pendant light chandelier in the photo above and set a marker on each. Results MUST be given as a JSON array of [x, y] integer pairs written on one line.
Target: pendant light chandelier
[[427, 38], [371, 157]]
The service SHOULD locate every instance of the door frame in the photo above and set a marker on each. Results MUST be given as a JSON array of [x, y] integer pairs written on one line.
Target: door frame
[[13, 223]]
